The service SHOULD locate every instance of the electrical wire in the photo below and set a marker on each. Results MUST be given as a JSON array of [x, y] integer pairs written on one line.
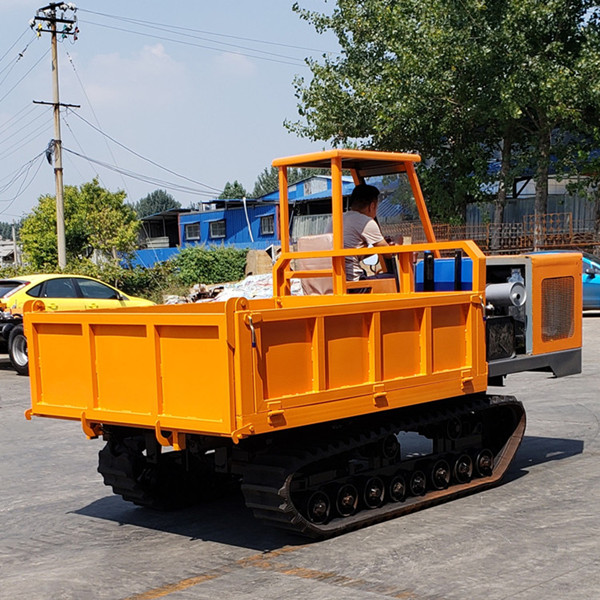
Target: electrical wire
[[209, 187], [24, 185], [22, 129], [82, 152], [162, 26], [13, 45], [297, 63], [145, 178], [8, 124], [197, 37], [26, 140], [29, 71], [95, 118], [11, 66]]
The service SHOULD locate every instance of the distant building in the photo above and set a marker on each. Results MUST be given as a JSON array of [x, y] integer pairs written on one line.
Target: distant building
[[250, 223], [7, 252]]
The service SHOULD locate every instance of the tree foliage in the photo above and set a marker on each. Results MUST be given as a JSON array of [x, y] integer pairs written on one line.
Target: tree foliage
[[268, 180], [155, 202], [461, 82], [95, 220], [6, 229], [197, 264], [233, 190]]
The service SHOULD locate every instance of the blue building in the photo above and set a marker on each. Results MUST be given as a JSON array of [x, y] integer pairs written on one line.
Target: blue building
[[238, 223], [241, 224]]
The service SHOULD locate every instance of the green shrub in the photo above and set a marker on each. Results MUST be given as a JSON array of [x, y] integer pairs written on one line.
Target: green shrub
[[195, 264], [198, 264]]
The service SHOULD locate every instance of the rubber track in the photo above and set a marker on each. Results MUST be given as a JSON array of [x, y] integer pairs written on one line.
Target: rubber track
[[117, 470], [267, 478]]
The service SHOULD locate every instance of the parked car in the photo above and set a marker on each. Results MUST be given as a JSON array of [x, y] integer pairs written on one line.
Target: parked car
[[591, 282], [59, 292]]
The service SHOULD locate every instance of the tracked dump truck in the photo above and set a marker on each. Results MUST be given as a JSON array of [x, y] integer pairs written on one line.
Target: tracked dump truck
[[333, 410]]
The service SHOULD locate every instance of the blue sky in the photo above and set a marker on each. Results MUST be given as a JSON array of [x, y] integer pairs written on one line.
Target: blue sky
[[212, 114]]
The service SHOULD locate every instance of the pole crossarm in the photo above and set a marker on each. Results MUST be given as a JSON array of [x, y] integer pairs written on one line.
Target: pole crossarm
[[59, 104]]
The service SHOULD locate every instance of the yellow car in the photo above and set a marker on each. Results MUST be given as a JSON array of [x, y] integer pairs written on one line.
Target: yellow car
[[59, 292]]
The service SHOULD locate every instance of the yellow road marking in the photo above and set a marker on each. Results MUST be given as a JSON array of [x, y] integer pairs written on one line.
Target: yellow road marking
[[265, 562]]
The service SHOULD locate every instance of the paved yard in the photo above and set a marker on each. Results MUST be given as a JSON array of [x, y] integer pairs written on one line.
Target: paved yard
[[63, 535]]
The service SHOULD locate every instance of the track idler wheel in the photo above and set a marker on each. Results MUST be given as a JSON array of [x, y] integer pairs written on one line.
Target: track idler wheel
[[462, 470], [318, 507], [484, 463], [374, 492], [453, 428], [440, 474], [390, 447], [347, 500], [397, 488], [418, 483]]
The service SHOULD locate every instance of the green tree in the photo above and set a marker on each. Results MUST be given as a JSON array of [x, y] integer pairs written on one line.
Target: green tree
[[463, 83], [268, 180], [95, 220], [233, 190], [6, 229], [155, 202]]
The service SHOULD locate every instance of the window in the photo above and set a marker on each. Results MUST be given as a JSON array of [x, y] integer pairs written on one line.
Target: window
[[192, 231], [10, 286], [95, 289], [267, 225], [35, 291], [59, 288], [216, 229]]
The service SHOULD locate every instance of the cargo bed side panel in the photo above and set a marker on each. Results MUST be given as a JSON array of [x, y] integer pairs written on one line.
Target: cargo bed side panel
[[111, 367]]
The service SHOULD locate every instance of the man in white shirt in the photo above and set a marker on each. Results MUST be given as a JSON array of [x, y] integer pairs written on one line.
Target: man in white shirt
[[360, 228]]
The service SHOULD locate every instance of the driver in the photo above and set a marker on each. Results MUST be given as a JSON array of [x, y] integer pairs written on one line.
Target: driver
[[360, 228]]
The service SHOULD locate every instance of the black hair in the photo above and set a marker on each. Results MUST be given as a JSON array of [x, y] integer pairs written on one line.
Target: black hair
[[362, 195]]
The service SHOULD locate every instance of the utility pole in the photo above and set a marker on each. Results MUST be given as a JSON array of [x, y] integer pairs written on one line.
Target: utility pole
[[15, 250], [45, 21]]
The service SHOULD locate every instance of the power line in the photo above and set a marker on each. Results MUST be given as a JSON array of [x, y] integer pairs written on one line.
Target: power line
[[24, 186], [7, 124], [145, 178], [13, 45], [95, 118], [82, 151], [29, 71], [197, 37], [11, 66], [297, 63], [166, 27], [27, 140], [22, 129], [210, 187]]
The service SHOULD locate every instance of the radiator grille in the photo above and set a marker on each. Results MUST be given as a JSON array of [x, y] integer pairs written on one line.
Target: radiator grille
[[557, 308]]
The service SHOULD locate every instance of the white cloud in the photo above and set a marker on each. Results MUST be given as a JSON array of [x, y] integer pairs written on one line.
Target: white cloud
[[231, 64], [150, 78]]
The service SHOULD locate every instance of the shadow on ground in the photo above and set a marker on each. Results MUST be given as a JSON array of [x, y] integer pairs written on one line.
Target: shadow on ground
[[228, 521], [538, 450], [5, 364]]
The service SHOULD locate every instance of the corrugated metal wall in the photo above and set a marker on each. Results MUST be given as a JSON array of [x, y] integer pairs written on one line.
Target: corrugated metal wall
[[582, 209], [310, 225]]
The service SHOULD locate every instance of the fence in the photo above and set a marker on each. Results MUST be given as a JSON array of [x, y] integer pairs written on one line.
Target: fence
[[553, 230]]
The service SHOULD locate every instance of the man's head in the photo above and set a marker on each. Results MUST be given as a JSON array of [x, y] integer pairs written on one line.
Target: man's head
[[364, 199]]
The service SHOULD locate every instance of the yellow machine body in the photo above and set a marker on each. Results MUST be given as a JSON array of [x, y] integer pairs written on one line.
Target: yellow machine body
[[244, 367]]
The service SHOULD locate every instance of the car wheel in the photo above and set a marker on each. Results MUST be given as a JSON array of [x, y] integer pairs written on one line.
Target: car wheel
[[17, 350]]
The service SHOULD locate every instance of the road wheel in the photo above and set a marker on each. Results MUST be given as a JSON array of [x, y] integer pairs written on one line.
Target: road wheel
[[17, 350]]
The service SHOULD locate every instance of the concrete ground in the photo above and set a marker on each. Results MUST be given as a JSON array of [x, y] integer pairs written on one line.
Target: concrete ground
[[63, 535]]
